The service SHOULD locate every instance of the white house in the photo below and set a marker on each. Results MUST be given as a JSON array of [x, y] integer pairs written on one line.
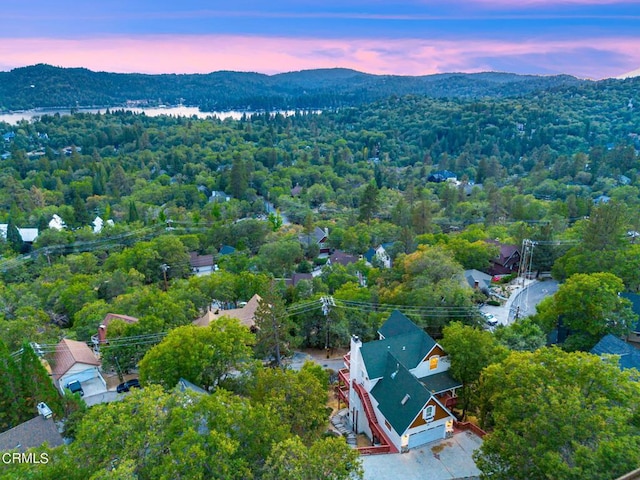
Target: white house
[[398, 388], [57, 223], [98, 224], [75, 361], [380, 254]]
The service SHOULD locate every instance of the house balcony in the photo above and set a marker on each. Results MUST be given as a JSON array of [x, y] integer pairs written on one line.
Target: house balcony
[[448, 400], [344, 376], [347, 360], [343, 393]]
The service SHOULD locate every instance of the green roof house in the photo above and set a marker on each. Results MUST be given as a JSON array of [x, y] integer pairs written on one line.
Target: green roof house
[[398, 388]]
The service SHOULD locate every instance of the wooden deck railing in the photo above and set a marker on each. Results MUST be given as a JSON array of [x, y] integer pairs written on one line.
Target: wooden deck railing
[[376, 430]]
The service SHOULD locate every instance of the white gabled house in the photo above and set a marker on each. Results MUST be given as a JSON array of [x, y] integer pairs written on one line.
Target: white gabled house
[[398, 388]]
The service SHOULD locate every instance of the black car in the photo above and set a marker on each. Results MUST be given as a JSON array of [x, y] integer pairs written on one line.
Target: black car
[[128, 385], [75, 387]]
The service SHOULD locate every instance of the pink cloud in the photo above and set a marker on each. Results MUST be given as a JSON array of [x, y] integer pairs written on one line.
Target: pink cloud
[[207, 53]]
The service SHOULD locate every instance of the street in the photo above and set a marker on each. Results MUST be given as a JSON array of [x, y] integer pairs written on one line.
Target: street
[[522, 302]]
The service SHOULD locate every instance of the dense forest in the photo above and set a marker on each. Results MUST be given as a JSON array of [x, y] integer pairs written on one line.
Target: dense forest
[[42, 86], [438, 181]]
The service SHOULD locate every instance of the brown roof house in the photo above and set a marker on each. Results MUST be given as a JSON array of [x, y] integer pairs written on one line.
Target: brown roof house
[[202, 264], [245, 314], [33, 433], [76, 361], [101, 337], [507, 261]]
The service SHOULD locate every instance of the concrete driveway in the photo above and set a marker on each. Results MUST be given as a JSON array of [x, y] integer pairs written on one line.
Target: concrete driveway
[[443, 460]]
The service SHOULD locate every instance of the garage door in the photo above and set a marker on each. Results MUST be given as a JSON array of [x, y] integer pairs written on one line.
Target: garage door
[[81, 376], [426, 436]]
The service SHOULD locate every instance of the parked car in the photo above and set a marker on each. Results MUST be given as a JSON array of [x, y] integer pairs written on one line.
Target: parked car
[[490, 319], [128, 385], [75, 386], [44, 410]]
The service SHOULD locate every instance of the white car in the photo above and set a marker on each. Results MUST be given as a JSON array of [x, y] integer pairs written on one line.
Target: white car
[[490, 319]]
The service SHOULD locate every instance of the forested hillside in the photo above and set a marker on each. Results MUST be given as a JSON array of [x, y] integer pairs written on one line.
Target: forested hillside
[[439, 182], [47, 86]]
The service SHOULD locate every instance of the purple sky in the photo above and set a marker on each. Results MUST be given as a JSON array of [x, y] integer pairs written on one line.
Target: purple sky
[[586, 38]]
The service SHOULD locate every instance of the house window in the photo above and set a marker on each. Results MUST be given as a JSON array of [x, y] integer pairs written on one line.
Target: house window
[[429, 412], [433, 362], [388, 425]]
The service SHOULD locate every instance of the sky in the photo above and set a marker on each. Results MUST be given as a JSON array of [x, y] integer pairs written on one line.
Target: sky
[[585, 38]]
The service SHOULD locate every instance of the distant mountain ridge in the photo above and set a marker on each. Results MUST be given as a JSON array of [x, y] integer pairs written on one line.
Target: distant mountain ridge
[[45, 86]]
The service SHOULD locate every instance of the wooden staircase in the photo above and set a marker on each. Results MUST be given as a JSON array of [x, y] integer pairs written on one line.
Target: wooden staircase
[[386, 446]]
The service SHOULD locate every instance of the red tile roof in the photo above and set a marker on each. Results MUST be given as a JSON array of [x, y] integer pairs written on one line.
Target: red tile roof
[[70, 352]]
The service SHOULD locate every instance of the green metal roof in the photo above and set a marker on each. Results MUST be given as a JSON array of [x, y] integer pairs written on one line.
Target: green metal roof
[[409, 348], [397, 384], [398, 324], [440, 382]]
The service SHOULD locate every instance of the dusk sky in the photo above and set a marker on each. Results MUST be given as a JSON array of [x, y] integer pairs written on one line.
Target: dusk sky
[[585, 38]]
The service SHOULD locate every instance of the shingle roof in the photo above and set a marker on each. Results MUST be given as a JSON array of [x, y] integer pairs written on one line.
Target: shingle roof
[[226, 250], [409, 348], [634, 298], [440, 382], [398, 324], [184, 385], [369, 254], [70, 352], [200, 260], [245, 314], [611, 345], [30, 434], [390, 391]]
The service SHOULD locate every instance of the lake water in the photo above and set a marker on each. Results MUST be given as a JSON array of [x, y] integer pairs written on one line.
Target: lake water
[[177, 111]]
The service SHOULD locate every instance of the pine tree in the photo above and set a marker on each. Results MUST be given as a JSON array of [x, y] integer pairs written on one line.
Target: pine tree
[[14, 239], [10, 402], [369, 202], [133, 212], [35, 384], [274, 334]]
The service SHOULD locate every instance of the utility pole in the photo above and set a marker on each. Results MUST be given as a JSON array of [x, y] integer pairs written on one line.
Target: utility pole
[[327, 303], [276, 331], [164, 268]]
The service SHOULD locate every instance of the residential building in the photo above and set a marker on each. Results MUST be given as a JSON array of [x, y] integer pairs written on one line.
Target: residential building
[[398, 389], [478, 280], [634, 298], [245, 314], [57, 223], [612, 345], [318, 237], [380, 254], [201, 264], [101, 337], [339, 257], [507, 261], [30, 434], [72, 361]]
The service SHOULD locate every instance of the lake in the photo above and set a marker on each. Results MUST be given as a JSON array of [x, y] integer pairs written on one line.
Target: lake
[[176, 111]]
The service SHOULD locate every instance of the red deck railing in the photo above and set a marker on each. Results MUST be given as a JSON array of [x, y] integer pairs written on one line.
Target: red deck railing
[[376, 430], [347, 359], [469, 426], [344, 375]]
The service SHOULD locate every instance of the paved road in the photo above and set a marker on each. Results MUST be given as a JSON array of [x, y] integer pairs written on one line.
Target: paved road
[[525, 301]]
